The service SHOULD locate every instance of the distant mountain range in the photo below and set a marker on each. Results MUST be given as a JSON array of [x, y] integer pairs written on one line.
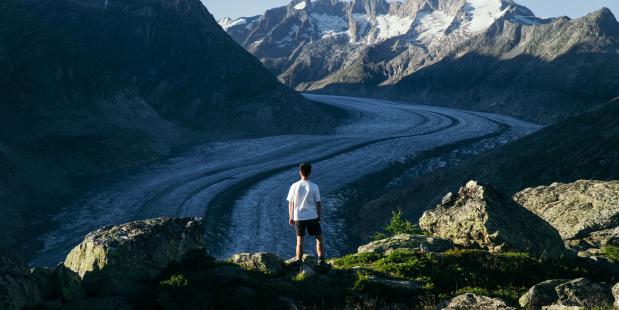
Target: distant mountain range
[[491, 55], [88, 88]]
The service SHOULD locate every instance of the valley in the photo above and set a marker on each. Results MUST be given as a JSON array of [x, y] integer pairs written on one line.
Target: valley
[[239, 186]]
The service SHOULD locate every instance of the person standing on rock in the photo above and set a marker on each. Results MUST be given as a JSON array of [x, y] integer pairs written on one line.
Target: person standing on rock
[[304, 208]]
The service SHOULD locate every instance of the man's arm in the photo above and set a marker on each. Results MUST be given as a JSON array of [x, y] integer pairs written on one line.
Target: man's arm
[[318, 208], [290, 211]]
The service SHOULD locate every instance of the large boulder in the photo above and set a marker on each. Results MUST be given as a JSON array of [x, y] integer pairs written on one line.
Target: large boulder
[[266, 263], [580, 293], [577, 210], [407, 241], [17, 287], [481, 217], [115, 260], [58, 283], [584, 293], [471, 301], [541, 294]]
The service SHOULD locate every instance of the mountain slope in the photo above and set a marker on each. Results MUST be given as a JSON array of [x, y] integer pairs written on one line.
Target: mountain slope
[[583, 147], [184, 65], [427, 50], [62, 119]]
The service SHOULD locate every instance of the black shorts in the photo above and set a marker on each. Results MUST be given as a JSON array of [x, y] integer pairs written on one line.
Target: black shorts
[[312, 226]]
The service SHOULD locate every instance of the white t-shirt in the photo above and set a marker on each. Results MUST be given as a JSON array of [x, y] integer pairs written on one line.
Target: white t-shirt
[[304, 195]]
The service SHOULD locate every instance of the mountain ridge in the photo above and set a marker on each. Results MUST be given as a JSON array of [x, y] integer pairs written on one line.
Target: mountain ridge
[[409, 51]]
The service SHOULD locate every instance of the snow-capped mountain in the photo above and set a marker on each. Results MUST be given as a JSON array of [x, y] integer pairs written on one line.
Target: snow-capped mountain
[[336, 35], [368, 47]]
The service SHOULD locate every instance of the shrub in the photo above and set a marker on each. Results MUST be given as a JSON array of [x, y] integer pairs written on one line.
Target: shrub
[[612, 252], [397, 226], [177, 280]]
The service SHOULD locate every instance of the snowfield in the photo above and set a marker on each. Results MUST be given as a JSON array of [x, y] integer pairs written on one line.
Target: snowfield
[[240, 186]]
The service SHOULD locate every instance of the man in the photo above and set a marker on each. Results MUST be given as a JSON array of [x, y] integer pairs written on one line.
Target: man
[[304, 211]]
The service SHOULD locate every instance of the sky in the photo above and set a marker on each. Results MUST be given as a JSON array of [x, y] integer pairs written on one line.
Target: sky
[[541, 8]]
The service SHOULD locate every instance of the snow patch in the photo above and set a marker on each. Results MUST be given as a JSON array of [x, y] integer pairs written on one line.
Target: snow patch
[[390, 26], [300, 6], [483, 13], [228, 23], [330, 25], [431, 24]]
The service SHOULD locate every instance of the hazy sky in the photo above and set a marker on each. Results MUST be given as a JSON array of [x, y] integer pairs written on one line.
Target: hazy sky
[[541, 8]]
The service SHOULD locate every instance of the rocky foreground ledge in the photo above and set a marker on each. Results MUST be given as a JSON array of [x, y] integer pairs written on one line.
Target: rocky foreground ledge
[[479, 250]]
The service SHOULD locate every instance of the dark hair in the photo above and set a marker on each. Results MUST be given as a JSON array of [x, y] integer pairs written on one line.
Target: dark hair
[[306, 169]]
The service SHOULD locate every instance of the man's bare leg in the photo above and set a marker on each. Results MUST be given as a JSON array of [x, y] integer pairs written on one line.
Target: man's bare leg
[[319, 246], [299, 248]]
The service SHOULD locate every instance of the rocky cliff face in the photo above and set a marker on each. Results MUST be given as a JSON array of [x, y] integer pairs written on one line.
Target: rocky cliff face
[[491, 55]]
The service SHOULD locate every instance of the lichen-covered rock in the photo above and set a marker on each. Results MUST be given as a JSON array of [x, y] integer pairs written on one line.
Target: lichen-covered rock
[[584, 293], [577, 209], [471, 301], [479, 216], [58, 283], [541, 294], [407, 241], [615, 291], [17, 287], [115, 260], [267, 263]]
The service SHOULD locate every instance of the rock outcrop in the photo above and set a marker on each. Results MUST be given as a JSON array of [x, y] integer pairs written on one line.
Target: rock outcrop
[[472, 301], [115, 260], [17, 287], [479, 216], [580, 293], [262, 262], [58, 283], [586, 213], [541, 294], [406, 241], [584, 293]]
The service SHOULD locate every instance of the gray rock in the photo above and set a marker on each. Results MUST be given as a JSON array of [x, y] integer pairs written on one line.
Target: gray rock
[[306, 271], [587, 210], [482, 217], [390, 283], [471, 301], [541, 294], [266, 263], [115, 260], [584, 293], [17, 287], [58, 283], [407, 241]]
